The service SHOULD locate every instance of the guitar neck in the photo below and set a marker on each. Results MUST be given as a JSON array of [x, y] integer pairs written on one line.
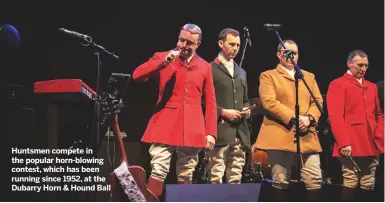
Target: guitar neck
[[119, 139]]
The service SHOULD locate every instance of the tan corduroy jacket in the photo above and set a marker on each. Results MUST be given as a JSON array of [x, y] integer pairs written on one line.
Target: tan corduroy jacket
[[277, 94]]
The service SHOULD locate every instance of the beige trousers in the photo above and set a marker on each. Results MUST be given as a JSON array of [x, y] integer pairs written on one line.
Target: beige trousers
[[282, 163], [366, 177], [187, 159], [229, 158]]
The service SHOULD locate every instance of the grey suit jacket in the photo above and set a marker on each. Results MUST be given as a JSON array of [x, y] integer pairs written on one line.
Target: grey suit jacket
[[231, 93]]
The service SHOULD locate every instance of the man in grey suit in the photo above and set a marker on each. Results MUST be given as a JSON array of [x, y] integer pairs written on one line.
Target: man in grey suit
[[233, 140]]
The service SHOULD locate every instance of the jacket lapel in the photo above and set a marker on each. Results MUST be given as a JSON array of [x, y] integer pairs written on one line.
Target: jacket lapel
[[354, 80], [193, 62], [222, 67], [284, 73], [364, 83], [236, 70]]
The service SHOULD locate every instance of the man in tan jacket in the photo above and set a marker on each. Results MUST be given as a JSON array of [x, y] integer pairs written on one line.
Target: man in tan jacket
[[276, 136]]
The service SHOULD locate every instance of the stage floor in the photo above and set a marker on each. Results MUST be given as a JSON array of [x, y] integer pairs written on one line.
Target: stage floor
[[249, 192]]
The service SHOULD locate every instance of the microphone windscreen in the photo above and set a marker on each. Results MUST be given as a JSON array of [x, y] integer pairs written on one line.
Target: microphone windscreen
[[9, 37]]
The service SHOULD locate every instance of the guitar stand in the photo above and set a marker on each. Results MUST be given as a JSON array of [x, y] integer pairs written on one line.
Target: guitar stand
[[255, 175], [258, 170]]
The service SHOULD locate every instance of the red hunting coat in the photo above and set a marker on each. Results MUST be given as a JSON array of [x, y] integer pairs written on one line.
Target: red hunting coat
[[179, 119], [355, 116]]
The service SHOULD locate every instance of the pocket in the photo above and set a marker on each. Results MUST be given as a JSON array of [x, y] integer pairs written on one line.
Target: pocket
[[170, 107], [355, 121]]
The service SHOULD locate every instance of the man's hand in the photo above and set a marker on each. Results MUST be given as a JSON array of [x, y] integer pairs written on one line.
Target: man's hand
[[253, 148], [346, 151], [304, 123], [210, 142], [246, 112], [231, 114], [171, 56]]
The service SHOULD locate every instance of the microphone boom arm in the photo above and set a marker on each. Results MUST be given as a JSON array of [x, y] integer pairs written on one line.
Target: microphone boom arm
[[100, 48]]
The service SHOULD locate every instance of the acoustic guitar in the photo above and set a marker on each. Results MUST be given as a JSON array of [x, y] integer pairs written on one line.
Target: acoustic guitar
[[128, 183], [118, 187]]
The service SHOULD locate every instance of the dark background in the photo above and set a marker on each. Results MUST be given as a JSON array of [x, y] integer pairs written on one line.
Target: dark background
[[325, 31]]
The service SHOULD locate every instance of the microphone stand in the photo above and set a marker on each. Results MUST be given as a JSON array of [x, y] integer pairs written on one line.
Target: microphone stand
[[297, 76], [97, 49], [247, 41], [250, 175]]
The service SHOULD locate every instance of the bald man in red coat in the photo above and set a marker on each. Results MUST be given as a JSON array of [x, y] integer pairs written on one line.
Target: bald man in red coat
[[179, 123]]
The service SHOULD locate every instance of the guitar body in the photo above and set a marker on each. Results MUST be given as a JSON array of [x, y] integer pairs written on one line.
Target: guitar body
[[112, 104], [139, 174], [259, 157]]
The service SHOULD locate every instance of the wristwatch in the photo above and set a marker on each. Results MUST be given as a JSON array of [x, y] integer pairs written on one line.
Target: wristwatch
[[312, 120]]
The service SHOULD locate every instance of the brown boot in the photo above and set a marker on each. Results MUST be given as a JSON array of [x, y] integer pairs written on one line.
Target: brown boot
[[184, 182], [156, 186]]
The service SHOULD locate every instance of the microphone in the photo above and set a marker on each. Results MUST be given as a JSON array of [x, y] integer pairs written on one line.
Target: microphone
[[286, 55], [269, 27], [247, 34], [171, 58], [74, 34]]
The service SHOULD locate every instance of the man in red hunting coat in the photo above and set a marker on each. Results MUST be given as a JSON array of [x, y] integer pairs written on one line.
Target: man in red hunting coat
[[179, 123], [357, 123]]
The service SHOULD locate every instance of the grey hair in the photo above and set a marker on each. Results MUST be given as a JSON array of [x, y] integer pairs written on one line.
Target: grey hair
[[289, 41], [354, 53], [195, 29]]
